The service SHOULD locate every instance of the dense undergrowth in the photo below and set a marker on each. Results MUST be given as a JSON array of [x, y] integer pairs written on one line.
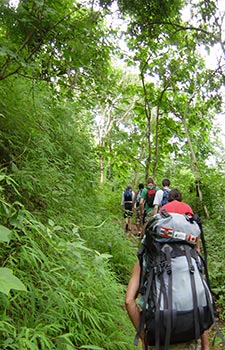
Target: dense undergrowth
[[75, 276], [65, 245]]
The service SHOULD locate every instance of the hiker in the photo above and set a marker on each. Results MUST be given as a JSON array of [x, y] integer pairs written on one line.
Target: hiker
[[161, 197], [147, 199], [175, 205], [126, 203], [136, 206]]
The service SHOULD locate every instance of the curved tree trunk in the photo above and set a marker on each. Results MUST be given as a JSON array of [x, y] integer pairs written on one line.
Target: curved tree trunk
[[148, 131], [193, 156], [157, 132]]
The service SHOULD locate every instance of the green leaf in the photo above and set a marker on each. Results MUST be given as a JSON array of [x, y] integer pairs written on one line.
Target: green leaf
[[9, 281], [5, 234]]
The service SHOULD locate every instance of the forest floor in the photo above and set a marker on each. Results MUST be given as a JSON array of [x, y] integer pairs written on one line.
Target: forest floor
[[133, 231], [212, 334], [133, 234]]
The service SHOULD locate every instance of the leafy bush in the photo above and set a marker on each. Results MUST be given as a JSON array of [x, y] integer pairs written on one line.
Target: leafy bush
[[73, 295], [215, 251]]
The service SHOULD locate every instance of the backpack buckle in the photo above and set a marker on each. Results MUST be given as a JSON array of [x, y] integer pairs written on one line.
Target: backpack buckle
[[165, 214], [192, 269], [157, 270], [168, 269]]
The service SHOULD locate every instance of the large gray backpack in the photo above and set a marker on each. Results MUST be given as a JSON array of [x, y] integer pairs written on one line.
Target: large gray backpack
[[176, 302]]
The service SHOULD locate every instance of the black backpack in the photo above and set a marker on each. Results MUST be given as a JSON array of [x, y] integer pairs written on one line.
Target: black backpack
[[177, 304], [128, 195]]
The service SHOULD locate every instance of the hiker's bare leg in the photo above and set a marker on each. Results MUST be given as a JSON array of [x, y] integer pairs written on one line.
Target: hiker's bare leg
[[139, 223], [129, 223], [205, 341], [126, 223]]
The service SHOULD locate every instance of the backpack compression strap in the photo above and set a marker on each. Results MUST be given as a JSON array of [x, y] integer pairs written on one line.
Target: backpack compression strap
[[167, 300], [158, 271], [169, 316], [194, 293]]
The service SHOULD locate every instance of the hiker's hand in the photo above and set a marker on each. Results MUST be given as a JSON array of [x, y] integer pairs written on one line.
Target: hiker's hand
[[142, 340]]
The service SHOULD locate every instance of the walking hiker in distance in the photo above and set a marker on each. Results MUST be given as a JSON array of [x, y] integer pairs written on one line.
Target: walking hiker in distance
[[161, 197], [136, 207], [147, 199], [126, 203]]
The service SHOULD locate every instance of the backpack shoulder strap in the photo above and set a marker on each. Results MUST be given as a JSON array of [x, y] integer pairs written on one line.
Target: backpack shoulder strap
[[144, 308]]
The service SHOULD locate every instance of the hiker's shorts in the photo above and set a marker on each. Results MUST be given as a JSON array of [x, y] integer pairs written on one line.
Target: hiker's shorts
[[191, 345], [128, 210]]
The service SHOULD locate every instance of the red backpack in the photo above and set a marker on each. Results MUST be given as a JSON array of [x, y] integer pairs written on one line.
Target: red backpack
[[150, 196]]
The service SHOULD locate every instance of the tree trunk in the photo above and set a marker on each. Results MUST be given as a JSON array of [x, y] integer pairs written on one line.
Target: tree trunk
[[148, 131], [194, 159]]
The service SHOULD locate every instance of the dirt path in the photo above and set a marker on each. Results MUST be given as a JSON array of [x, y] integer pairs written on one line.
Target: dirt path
[[133, 234]]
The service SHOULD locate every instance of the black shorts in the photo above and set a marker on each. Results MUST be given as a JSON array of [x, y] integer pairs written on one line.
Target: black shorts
[[128, 210]]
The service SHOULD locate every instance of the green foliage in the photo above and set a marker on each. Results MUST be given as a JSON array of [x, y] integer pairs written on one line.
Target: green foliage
[[8, 281], [110, 239], [5, 234], [72, 280], [214, 234], [71, 289], [47, 38], [147, 17], [58, 147]]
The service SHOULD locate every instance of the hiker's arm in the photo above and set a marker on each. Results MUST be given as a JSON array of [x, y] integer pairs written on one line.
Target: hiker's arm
[[131, 295], [142, 206], [205, 341], [156, 208], [134, 200], [157, 201]]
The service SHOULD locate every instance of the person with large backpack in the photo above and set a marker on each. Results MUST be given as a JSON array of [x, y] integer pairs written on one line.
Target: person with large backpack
[[136, 206], [126, 203], [147, 199], [176, 307], [161, 197]]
